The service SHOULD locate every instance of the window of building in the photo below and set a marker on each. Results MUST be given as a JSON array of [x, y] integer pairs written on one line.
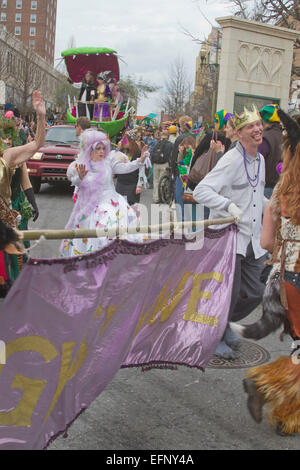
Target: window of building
[[3, 17], [32, 31], [33, 18], [33, 5], [19, 4], [32, 43], [4, 4], [17, 30], [18, 17], [9, 94]]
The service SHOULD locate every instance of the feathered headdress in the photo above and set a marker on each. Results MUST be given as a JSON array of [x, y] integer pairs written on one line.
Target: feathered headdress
[[292, 136]]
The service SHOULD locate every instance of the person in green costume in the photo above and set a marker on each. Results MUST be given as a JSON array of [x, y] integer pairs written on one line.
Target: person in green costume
[[23, 201], [22, 197]]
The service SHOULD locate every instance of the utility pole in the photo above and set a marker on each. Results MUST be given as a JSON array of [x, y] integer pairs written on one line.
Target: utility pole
[[214, 99]]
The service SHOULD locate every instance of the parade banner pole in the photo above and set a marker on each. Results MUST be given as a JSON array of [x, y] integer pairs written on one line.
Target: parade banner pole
[[84, 233]]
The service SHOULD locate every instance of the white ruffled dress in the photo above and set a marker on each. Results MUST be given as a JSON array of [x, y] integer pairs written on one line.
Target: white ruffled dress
[[102, 208]]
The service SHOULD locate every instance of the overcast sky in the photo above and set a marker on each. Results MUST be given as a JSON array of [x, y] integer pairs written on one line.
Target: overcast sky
[[146, 34]]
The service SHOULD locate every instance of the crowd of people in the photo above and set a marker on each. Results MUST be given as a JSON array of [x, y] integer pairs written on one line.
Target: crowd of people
[[246, 165]]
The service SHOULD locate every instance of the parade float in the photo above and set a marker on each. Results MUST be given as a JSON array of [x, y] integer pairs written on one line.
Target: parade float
[[97, 60]]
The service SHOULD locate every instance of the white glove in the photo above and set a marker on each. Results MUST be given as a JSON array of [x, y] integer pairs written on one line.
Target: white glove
[[148, 163], [235, 212]]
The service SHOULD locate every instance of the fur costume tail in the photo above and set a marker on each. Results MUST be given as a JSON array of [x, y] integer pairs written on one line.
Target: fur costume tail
[[292, 129], [273, 314], [279, 382]]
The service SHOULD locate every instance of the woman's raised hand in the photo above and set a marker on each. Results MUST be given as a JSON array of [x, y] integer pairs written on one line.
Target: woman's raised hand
[[81, 171]]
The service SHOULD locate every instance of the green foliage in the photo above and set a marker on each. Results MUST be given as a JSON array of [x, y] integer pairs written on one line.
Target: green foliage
[[62, 91]]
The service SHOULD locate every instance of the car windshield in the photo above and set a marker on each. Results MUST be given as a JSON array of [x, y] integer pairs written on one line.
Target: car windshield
[[65, 135]]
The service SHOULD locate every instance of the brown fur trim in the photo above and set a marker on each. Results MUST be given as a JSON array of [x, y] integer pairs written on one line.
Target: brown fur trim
[[275, 203], [279, 382]]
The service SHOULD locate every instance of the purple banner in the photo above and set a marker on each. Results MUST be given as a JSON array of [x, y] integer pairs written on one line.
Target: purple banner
[[68, 325]]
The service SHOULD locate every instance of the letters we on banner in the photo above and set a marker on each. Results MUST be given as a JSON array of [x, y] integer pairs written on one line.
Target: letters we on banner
[[82, 320]]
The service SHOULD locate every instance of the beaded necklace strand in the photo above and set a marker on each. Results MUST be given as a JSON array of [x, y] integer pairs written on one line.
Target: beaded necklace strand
[[253, 181]]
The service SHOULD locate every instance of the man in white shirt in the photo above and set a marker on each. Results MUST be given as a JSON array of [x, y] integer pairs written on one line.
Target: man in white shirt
[[236, 185]]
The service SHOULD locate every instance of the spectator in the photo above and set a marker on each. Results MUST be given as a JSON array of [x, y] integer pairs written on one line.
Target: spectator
[[129, 185], [236, 185], [179, 189], [82, 124], [271, 145], [160, 158]]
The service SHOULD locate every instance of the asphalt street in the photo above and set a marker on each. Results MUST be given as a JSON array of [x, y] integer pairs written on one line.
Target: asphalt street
[[183, 409]]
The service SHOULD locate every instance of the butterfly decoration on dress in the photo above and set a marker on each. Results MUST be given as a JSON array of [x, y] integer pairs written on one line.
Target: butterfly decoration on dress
[[76, 252], [111, 222], [119, 215], [115, 204], [100, 225], [66, 245]]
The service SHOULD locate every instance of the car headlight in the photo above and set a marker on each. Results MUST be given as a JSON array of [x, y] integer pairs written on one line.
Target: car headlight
[[37, 156]]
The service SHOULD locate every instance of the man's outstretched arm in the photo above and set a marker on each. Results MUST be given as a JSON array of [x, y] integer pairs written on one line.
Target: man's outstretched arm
[[16, 155]]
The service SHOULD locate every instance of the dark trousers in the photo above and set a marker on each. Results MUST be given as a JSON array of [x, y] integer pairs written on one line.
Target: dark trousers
[[247, 290], [129, 192], [82, 110]]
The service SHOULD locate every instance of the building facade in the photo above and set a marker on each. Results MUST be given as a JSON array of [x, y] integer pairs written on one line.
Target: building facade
[[22, 71], [256, 64], [203, 99], [33, 22]]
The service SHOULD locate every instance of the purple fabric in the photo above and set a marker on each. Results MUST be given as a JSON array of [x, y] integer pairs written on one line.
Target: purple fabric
[[70, 324], [105, 110], [264, 148]]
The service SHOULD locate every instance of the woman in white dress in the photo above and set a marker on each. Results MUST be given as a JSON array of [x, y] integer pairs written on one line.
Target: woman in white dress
[[98, 205]]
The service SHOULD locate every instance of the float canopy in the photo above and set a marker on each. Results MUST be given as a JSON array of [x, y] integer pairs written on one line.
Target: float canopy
[[95, 59]]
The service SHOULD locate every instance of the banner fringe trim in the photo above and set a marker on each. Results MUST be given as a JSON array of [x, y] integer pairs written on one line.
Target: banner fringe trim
[[146, 366]]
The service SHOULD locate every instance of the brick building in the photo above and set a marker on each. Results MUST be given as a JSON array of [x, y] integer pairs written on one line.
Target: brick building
[[22, 71], [33, 22]]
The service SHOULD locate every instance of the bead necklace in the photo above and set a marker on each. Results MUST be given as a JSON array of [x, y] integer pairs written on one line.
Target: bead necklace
[[253, 181]]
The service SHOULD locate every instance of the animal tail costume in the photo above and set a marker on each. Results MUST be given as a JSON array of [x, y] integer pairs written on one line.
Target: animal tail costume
[[277, 385]]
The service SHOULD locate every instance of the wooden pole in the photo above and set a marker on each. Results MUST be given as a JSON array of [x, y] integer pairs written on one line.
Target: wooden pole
[[150, 229]]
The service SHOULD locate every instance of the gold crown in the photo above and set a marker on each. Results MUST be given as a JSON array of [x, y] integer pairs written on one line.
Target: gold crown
[[241, 120]]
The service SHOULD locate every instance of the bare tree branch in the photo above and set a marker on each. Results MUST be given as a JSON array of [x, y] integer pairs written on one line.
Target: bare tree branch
[[177, 89]]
